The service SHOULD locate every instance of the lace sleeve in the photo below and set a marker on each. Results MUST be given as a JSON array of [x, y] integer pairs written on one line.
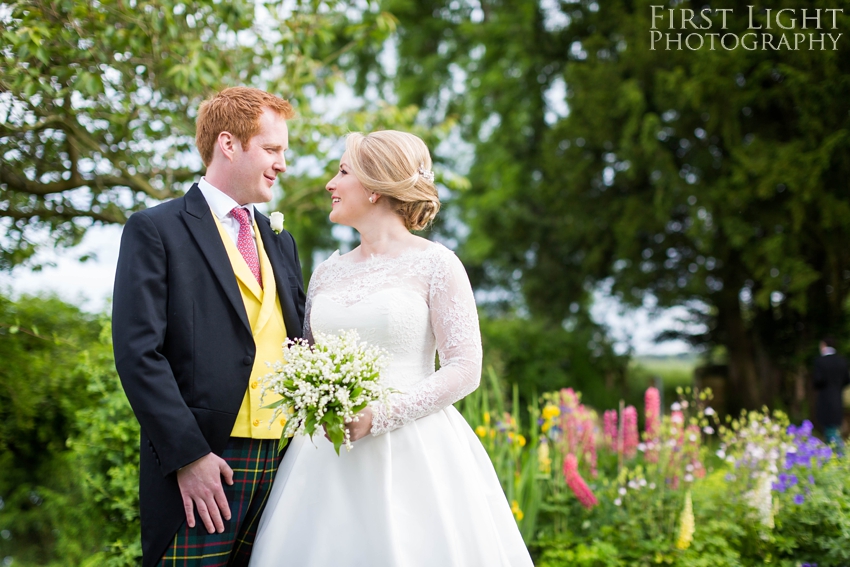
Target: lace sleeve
[[454, 319]]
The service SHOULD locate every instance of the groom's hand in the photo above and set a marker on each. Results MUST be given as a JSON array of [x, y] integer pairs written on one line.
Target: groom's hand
[[200, 485]]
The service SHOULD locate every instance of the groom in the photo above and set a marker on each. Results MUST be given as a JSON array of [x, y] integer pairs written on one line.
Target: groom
[[206, 292]]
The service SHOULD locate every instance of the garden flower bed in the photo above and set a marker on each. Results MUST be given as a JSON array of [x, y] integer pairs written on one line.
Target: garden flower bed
[[689, 489]]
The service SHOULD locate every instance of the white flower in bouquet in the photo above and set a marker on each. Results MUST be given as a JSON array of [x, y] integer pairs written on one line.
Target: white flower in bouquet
[[325, 385]]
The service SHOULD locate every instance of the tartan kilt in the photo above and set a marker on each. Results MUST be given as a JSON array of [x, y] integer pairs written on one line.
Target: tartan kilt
[[254, 463]]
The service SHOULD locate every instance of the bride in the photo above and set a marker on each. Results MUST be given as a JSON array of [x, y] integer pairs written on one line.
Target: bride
[[417, 489]]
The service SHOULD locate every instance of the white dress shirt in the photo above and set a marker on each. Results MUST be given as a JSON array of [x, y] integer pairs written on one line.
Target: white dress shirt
[[221, 205]]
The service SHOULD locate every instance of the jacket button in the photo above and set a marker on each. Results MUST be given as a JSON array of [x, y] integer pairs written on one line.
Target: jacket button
[[254, 385], [247, 361], [256, 422]]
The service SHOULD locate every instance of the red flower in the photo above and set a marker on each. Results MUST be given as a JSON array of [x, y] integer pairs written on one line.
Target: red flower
[[630, 432], [577, 484], [652, 408], [610, 428]]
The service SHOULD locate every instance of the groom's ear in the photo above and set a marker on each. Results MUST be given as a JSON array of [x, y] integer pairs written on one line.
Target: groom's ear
[[226, 143]]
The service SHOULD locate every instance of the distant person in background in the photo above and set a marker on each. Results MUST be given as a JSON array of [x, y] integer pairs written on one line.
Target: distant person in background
[[830, 377]]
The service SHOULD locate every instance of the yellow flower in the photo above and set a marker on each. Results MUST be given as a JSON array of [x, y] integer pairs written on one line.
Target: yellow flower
[[521, 440], [486, 418], [686, 526], [544, 462], [481, 431], [492, 433], [516, 511], [550, 412], [547, 425]]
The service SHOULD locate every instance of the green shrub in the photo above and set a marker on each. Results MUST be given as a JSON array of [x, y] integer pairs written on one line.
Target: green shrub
[[107, 452], [540, 357], [68, 440], [44, 517]]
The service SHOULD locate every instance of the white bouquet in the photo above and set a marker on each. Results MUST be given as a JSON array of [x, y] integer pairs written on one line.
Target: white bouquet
[[325, 384]]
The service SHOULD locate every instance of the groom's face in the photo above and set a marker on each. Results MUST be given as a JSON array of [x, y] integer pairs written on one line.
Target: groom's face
[[255, 167]]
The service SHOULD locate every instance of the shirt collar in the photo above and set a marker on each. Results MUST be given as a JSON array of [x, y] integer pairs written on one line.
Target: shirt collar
[[827, 351], [220, 203]]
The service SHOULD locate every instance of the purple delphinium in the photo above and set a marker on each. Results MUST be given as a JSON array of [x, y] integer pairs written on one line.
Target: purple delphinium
[[805, 452], [805, 449], [785, 482]]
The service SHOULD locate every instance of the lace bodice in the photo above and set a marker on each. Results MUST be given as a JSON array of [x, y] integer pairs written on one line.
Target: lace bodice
[[412, 305]]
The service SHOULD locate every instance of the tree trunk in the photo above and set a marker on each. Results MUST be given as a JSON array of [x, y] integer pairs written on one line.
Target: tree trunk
[[744, 385]]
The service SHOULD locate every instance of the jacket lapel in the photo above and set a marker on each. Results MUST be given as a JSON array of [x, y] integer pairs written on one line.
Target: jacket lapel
[[199, 221], [281, 275]]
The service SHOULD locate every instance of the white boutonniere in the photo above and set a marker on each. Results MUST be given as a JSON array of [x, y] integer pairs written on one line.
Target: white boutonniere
[[277, 221]]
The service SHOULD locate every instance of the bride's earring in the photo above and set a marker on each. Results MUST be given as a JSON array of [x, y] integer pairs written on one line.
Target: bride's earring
[[372, 199]]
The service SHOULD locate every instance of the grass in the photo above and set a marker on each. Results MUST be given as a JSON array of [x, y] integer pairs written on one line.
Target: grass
[[671, 371]]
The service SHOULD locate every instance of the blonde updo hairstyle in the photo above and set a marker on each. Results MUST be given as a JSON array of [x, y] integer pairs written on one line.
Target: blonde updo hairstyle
[[388, 163]]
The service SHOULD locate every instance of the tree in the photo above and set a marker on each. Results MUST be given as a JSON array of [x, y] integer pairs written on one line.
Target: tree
[[714, 179], [98, 100]]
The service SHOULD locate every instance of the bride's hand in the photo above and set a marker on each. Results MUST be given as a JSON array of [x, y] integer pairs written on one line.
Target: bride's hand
[[357, 429], [362, 427]]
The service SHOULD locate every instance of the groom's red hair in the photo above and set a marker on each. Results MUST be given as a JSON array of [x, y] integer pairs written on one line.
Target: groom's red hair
[[236, 110]]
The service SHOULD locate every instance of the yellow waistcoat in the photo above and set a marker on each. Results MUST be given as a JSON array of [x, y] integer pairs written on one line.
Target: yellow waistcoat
[[266, 319]]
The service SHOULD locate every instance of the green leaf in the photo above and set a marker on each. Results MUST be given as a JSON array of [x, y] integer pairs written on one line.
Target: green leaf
[[284, 441], [337, 435], [310, 424], [274, 405]]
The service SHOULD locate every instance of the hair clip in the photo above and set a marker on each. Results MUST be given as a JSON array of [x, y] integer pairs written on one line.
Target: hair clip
[[426, 174]]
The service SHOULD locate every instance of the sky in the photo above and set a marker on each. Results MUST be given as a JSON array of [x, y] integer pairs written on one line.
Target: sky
[[89, 285]]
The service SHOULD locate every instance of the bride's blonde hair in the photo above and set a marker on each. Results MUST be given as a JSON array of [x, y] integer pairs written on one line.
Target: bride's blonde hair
[[396, 165]]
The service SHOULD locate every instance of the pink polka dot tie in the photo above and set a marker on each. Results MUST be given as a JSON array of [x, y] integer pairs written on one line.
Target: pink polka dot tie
[[245, 243]]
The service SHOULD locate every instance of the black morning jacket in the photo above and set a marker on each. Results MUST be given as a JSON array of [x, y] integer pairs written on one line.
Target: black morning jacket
[[829, 378], [183, 345]]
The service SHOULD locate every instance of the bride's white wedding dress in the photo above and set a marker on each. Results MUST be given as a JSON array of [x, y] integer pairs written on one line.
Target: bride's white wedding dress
[[420, 491]]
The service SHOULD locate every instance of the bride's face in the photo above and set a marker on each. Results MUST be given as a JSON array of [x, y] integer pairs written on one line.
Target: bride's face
[[349, 199]]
